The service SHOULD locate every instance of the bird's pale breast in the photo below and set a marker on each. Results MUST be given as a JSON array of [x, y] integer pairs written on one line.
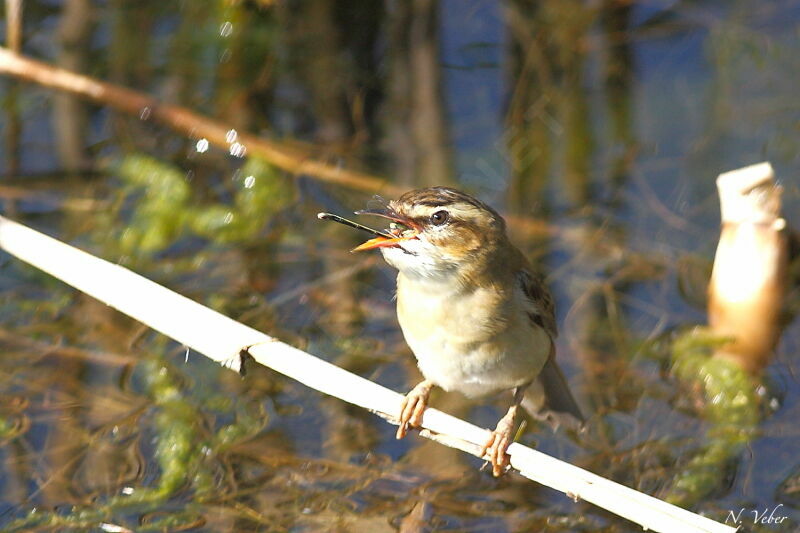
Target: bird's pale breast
[[476, 341]]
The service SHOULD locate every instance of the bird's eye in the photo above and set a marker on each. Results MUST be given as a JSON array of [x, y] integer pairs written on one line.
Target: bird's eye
[[440, 217]]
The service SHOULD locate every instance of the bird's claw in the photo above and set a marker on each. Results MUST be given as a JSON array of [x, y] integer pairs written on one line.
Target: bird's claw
[[496, 447], [412, 408]]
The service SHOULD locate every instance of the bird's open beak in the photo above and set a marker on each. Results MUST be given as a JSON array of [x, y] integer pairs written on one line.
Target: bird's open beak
[[399, 235], [383, 242]]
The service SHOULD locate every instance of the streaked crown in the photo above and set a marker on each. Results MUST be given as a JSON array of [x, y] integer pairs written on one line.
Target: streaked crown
[[446, 214]]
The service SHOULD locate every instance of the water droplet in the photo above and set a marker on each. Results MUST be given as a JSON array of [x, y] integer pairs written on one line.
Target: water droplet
[[238, 150], [144, 114], [128, 490], [202, 145], [228, 218], [226, 29], [231, 136], [249, 181], [225, 56]]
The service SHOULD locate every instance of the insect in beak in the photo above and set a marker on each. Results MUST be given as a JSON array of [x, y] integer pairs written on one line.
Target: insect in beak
[[346, 222], [400, 228]]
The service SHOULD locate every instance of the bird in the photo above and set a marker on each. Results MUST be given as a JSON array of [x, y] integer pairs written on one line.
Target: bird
[[477, 316]]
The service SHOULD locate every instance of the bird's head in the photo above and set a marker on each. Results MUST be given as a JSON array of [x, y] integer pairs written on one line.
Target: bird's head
[[436, 231]]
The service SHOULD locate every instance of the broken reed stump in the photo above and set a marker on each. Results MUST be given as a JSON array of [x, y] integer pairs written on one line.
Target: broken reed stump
[[748, 280]]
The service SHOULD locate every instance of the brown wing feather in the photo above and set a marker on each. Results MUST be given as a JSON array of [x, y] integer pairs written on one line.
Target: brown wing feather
[[543, 308], [557, 405]]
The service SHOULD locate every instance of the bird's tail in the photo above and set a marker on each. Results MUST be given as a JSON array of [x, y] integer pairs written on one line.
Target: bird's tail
[[549, 399]]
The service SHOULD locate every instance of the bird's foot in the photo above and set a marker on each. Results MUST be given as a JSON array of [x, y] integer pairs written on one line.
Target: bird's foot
[[498, 442], [413, 406]]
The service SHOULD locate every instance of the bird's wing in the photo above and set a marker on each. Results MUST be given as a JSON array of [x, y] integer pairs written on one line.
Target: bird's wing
[[554, 403], [539, 302]]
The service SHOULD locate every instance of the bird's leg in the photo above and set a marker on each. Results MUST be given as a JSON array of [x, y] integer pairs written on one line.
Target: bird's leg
[[413, 406], [500, 439]]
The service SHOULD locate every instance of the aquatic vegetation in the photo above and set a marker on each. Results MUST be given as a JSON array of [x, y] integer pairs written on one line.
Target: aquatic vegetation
[[166, 208], [730, 405], [184, 450]]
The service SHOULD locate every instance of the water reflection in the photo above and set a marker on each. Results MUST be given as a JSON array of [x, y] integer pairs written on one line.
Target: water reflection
[[597, 127]]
